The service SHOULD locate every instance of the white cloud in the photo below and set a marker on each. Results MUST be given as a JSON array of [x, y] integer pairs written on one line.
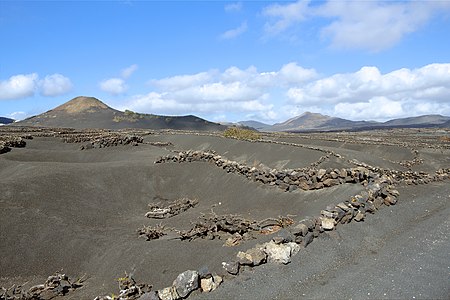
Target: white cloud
[[23, 86], [55, 85], [18, 115], [377, 108], [369, 94], [161, 103], [127, 72], [218, 91], [291, 73], [18, 86], [180, 82], [114, 86], [285, 15], [233, 7], [368, 25], [373, 25], [429, 82], [244, 92], [274, 96], [233, 33]]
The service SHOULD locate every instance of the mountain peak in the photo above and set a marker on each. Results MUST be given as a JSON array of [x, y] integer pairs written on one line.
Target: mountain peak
[[81, 104]]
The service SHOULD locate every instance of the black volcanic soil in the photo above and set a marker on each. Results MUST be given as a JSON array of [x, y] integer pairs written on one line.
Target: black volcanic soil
[[63, 208]]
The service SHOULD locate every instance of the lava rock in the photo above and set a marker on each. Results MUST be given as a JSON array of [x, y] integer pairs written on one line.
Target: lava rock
[[186, 282], [252, 257], [231, 267]]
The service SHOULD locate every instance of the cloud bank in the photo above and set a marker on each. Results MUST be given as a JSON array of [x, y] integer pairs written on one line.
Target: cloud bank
[[277, 95]]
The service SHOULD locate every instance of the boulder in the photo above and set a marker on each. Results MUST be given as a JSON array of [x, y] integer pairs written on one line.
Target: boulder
[[168, 293], [300, 229], [359, 216], [327, 223], [231, 267], [377, 202], [211, 283], [328, 214], [252, 257], [283, 236], [330, 182], [321, 173], [304, 185], [307, 239], [390, 200], [186, 282], [280, 253]]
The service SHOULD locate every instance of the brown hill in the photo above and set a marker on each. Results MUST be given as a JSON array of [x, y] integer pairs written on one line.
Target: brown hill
[[82, 104], [89, 112], [315, 121]]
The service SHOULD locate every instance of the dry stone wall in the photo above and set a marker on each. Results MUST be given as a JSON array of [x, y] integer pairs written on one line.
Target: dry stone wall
[[287, 180]]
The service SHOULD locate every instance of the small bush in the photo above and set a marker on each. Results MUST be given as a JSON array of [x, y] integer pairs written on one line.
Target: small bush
[[241, 133]]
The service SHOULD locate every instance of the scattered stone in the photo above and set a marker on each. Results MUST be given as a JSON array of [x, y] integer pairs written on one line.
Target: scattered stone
[[307, 239], [159, 211], [186, 282], [283, 236], [327, 223], [321, 173], [328, 214], [330, 182], [359, 216], [300, 229], [168, 293], [377, 202], [252, 257], [211, 283], [390, 200], [231, 267], [280, 253]]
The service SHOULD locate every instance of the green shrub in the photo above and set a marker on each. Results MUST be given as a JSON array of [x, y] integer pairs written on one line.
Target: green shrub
[[241, 133]]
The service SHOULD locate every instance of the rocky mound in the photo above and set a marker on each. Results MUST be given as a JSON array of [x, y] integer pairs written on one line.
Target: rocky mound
[[89, 112]]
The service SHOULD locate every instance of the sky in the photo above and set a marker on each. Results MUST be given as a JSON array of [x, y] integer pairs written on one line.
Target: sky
[[228, 61]]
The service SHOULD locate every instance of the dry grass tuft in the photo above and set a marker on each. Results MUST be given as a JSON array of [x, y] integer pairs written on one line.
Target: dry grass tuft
[[241, 134]]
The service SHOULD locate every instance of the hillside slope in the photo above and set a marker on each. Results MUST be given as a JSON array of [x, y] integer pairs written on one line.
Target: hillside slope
[[89, 112]]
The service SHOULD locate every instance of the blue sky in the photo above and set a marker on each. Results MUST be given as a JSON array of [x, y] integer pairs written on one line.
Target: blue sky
[[228, 61]]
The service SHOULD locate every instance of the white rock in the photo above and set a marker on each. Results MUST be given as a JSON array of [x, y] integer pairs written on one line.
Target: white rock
[[168, 293], [280, 253], [327, 223]]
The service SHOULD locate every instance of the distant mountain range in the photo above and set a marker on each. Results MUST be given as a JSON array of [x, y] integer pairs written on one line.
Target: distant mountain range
[[4, 121], [318, 122], [89, 112], [254, 124]]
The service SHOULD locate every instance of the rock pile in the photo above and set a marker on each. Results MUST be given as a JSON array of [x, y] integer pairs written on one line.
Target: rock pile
[[12, 141], [55, 285], [287, 243], [104, 141], [160, 211], [131, 290], [287, 180]]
